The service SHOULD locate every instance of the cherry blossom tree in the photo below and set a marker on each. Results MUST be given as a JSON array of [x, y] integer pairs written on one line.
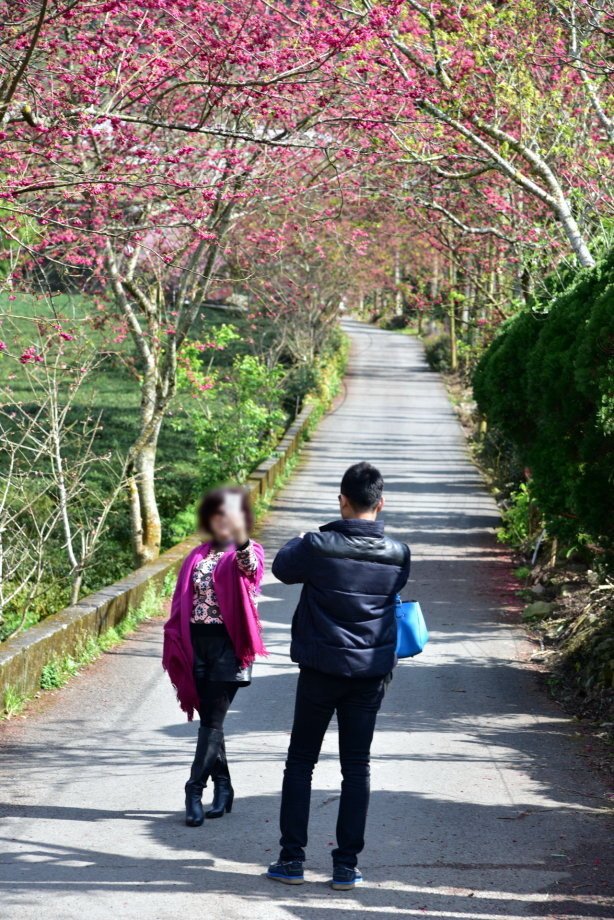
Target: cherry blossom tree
[[142, 142], [135, 138], [479, 102]]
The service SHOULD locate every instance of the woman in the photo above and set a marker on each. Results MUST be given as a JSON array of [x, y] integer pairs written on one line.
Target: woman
[[213, 636]]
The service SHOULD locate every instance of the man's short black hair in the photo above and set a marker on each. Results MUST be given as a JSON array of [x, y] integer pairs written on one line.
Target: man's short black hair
[[362, 485]]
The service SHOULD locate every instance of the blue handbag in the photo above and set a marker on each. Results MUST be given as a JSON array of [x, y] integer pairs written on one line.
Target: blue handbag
[[412, 634]]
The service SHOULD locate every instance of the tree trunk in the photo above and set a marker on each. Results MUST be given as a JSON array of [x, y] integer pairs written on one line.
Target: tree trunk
[[452, 281], [434, 282], [146, 526], [151, 526], [573, 234], [466, 327], [75, 588], [398, 293], [453, 348]]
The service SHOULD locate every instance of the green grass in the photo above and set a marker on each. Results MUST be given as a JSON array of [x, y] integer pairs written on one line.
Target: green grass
[[12, 702], [113, 394]]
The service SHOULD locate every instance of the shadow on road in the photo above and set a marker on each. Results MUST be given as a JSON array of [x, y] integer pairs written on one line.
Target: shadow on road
[[492, 880], [412, 836], [480, 806]]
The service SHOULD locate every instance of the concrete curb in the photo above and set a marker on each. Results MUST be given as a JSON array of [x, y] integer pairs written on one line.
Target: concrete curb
[[22, 659]]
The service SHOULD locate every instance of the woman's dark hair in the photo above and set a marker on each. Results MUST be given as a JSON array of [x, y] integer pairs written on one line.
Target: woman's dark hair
[[212, 503]]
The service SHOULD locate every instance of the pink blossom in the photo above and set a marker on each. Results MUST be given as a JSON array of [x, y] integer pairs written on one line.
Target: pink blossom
[[30, 356], [203, 346]]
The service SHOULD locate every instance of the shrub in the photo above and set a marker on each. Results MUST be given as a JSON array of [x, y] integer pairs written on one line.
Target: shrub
[[239, 428], [500, 382], [438, 351], [395, 322], [518, 518], [468, 356], [500, 455], [545, 382], [56, 672]]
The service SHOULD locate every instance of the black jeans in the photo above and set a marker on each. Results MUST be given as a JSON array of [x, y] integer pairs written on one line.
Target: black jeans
[[356, 702]]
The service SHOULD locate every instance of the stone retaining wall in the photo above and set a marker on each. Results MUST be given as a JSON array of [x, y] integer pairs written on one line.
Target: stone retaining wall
[[22, 659]]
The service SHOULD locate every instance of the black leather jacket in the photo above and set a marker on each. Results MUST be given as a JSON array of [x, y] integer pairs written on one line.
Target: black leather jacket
[[345, 620]]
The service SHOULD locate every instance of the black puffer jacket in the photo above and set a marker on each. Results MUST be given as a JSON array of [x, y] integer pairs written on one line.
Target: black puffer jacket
[[345, 620]]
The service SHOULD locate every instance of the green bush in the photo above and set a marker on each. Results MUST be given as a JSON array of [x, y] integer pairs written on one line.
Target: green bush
[[500, 382], [546, 384], [518, 519], [501, 457], [438, 351], [243, 426], [394, 323]]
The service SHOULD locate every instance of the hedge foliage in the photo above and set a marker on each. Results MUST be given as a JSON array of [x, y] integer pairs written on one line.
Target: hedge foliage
[[547, 383]]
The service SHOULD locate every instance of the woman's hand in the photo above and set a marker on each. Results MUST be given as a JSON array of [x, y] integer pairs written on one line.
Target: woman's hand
[[238, 527]]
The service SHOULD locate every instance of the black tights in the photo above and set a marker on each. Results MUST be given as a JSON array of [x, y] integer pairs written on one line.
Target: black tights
[[215, 698]]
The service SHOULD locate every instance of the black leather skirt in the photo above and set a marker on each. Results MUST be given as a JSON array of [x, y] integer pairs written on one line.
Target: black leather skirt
[[214, 656]]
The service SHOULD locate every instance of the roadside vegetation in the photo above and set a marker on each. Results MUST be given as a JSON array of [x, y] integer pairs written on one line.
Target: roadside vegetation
[[535, 399], [193, 193], [66, 426], [57, 672]]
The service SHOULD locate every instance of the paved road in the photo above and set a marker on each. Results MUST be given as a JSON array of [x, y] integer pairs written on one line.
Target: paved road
[[481, 805]]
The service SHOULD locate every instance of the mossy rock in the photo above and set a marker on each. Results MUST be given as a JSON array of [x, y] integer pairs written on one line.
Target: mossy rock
[[538, 610]]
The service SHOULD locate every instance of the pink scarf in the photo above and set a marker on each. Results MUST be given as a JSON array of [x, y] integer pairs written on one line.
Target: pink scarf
[[235, 594]]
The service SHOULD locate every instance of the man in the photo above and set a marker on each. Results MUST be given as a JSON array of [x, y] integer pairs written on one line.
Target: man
[[344, 641]]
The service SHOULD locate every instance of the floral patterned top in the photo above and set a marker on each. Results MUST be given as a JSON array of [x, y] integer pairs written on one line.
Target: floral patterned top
[[206, 608]]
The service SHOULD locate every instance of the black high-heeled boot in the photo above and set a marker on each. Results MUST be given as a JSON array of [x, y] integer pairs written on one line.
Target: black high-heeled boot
[[207, 752], [223, 797], [223, 793]]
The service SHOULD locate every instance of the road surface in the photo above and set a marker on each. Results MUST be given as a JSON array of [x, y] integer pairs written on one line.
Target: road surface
[[482, 804]]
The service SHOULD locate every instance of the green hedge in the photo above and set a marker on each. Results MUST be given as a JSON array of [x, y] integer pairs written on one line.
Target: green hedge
[[438, 352], [546, 382]]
